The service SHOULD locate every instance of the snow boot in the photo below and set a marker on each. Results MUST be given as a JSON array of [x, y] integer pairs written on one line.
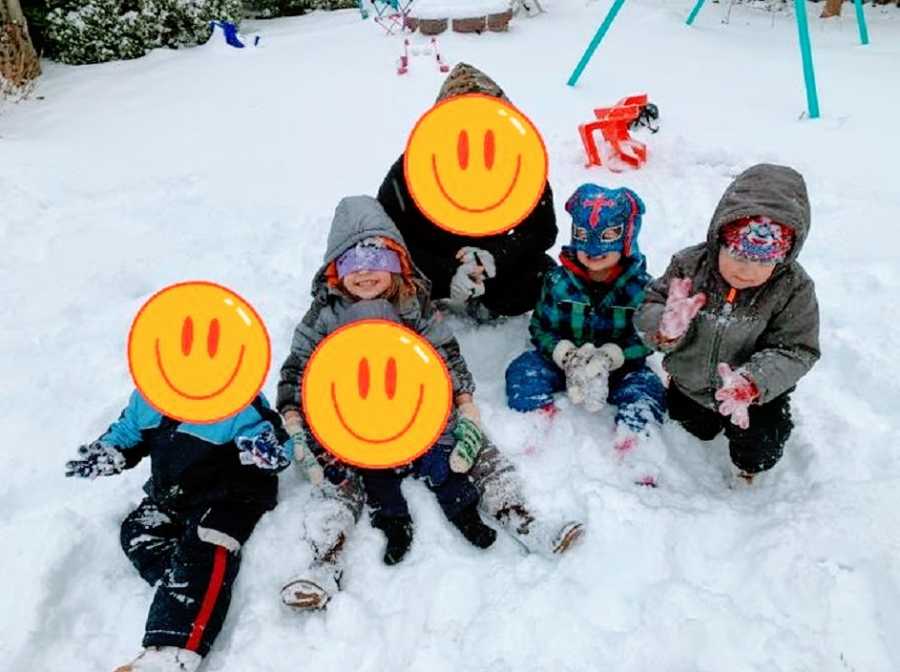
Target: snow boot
[[537, 536], [473, 529], [163, 659], [313, 590], [399, 533]]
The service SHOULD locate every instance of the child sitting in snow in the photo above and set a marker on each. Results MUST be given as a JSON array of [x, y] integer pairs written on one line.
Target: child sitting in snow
[[210, 484], [737, 319], [368, 274], [582, 325]]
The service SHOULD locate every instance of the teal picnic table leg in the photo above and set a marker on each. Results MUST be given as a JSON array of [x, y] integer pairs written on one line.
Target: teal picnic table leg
[[598, 37], [694, 12], [861, 20], [809, 74]]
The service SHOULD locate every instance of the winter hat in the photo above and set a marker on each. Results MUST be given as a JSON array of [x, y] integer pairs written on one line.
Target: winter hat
[[605, 220], [465, 78], [758, 239], [370, 254]]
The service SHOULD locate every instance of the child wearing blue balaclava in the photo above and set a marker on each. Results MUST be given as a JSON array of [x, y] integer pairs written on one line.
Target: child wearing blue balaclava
[[581, 327]]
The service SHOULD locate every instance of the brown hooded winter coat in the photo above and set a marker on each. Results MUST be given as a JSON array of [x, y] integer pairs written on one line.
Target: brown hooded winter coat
[[771, 331]]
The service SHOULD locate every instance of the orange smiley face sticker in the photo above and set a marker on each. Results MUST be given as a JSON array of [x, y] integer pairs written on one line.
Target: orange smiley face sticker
[[198, 352], [475, 165], [376, 394]]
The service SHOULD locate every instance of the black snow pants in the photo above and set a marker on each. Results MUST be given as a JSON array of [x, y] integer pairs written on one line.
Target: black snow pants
[[192, 557], [755, 449]]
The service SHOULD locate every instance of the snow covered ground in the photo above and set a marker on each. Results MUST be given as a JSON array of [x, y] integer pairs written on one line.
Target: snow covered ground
[[226, 165]]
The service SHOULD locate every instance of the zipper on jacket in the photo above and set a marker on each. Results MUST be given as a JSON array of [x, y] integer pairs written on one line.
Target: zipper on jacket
[[721, 323]]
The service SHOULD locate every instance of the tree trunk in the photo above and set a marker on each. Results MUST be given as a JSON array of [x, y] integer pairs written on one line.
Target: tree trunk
[[832, 8], [19, 63]]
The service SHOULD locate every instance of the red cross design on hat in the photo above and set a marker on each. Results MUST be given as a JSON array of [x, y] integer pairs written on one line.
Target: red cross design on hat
[[596, 205]]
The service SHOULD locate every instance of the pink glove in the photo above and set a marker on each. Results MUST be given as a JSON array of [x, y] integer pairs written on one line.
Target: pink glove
[[735, 395], [681, 308]]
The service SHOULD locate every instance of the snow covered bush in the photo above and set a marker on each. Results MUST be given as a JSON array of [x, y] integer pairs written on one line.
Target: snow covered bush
[[272, 8], [94, 31]]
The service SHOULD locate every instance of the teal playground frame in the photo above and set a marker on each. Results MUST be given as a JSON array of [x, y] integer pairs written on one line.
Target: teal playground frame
[[809, 74]]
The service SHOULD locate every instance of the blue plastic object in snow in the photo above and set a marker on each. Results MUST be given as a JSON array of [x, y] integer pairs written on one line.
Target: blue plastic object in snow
[[231, 34]]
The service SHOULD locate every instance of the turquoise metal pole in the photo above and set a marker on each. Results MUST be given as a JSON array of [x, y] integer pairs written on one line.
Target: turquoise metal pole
[[694, 12], [809, 74], [601, 33], [861, 20]]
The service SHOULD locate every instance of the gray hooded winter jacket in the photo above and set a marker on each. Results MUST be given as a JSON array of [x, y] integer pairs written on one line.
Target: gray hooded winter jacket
[[355, 219], [771, 331]]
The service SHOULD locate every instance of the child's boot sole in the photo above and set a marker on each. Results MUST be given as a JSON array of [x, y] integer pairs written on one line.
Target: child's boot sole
[[569, 535]]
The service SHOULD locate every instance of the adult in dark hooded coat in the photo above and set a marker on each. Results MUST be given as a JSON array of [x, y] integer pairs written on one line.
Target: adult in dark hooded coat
[[519, 255]]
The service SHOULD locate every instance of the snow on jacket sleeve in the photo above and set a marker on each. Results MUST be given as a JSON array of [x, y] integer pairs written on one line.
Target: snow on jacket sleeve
[[789, 347], [307, 335]]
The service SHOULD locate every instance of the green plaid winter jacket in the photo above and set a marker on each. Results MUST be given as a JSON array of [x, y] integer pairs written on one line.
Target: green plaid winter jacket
[[572, 307]]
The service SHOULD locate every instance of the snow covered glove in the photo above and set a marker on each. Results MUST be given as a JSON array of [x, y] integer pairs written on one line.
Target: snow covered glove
[[463, 286], [469, 441], [735, 395], [300, 453], [263, 451], [482, 258], [96, 459], [680, 309], [587, 371], [468, 281]]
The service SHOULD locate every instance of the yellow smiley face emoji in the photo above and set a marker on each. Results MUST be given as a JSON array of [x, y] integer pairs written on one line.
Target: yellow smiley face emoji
[[475, 165], [376, 394], [198, 352]]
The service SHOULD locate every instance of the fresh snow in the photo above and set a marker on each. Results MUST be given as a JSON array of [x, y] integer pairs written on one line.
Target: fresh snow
[[225, 164]]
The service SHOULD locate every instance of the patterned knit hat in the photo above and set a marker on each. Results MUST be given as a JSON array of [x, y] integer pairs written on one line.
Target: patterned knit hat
[[465, 78], [758, 239], [370, 254], [605, 220]]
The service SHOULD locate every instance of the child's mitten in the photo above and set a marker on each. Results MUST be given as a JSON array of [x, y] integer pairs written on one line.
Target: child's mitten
[[469, 441], [595, 375], [263, 451], [680, 309], [96, 459], [300, 453], [735, 395]]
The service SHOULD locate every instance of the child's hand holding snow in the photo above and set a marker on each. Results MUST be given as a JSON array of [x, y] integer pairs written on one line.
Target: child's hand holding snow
[[587, 371], [680, 309], [735, 395], [96, 459]]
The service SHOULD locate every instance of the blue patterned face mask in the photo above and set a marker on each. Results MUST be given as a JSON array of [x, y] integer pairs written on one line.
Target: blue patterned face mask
[[605, 220]]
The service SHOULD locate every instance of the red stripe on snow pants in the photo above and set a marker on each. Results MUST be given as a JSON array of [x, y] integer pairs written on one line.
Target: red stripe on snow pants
[[220, 560]]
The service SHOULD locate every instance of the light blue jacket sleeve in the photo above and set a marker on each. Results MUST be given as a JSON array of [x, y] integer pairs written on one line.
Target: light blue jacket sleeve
[[137, 416]]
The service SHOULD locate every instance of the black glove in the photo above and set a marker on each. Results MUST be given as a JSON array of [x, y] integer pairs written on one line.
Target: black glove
[[97, 459]]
